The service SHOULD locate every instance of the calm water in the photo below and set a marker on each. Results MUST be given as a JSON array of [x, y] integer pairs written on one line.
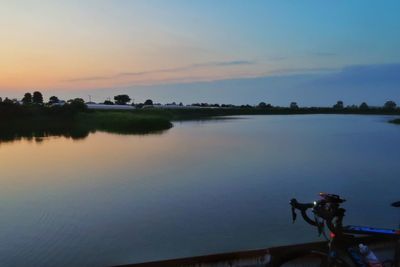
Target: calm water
[[198, 188]]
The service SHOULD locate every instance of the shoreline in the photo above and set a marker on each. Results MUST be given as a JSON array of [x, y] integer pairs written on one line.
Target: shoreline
[[140, 121]]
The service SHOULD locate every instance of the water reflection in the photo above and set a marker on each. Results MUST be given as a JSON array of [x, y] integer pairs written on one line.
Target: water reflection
[[199, 188], [75, 131], [39, 134]]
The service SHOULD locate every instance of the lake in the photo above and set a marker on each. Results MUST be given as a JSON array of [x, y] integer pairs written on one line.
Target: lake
[[198, 188]]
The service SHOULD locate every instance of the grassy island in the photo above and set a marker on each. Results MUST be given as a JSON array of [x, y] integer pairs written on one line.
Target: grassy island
[[123, 122]]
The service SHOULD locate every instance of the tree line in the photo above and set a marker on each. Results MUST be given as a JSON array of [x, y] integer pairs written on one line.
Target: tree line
[[32, 104], [36, 99]]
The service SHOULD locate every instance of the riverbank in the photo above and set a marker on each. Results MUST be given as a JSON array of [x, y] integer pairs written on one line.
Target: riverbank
[[207, 113], [70, 121]]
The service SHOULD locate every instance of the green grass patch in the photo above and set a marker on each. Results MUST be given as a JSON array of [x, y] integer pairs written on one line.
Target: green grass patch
[[123, 122]]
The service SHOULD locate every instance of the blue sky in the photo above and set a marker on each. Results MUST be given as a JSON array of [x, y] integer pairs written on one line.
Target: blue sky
[[346, 32], [79, 46]]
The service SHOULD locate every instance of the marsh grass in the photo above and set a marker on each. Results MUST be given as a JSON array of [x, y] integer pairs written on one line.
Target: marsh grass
[[80, 125], [122, 122]]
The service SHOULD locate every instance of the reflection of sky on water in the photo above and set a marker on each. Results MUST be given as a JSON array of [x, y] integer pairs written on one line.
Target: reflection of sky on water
[[198, 188]]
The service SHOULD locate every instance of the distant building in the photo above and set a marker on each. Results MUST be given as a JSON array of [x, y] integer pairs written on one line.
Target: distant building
[[59, 103], [171, 106], [110, 107]]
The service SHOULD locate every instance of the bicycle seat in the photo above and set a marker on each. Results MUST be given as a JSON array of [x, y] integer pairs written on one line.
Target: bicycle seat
[[396, 204]]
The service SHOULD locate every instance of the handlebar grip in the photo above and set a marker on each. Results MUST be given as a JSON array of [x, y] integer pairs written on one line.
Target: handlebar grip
[[303, 207], [300, 206]]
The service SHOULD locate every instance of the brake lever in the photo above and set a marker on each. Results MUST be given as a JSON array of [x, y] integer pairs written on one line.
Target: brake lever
[[320, 226], [294, 215]]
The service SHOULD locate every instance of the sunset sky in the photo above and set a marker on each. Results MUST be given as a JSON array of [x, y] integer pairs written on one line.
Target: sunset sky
[[78, 46]]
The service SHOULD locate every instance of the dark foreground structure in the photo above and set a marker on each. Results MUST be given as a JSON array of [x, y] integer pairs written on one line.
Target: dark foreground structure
[[384, 248]]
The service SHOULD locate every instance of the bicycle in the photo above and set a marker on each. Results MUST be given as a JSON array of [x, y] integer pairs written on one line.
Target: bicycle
[[342, 242]]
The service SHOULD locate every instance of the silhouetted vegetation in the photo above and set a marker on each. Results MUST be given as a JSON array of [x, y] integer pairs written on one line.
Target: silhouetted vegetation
[[122, 99], [390, 105], [395, 121], [76, 105], [148, 102], [339, 105], [54, 100], [37, 98], [364, 106], [108, 102], [262, 105], [294, 105], [31, 118], [123, 122], [203, 111], [27, 99]]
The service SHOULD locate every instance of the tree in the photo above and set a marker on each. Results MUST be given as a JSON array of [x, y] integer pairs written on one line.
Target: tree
[[262, 105], [76, 100], [77, 104], [37, 97], [54, 100], [108, 102], [1, 100], [364, 106], [294, 105], [27, 99], [338, 105], [139, 105], [390, 105], [148, 102], [122, 99], [352, 107], [8, 101]]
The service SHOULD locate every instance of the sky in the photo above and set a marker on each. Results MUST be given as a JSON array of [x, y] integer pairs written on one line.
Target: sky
[[158, 47]]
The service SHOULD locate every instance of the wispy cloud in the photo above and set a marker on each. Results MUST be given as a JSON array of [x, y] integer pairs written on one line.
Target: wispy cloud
[[233, 63], [291, 71], [323, 54], [90, 78], [277, 58], [166, 70]]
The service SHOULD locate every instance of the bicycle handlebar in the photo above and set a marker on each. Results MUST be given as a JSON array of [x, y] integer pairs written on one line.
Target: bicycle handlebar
[[303, 207], [328, 209]]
